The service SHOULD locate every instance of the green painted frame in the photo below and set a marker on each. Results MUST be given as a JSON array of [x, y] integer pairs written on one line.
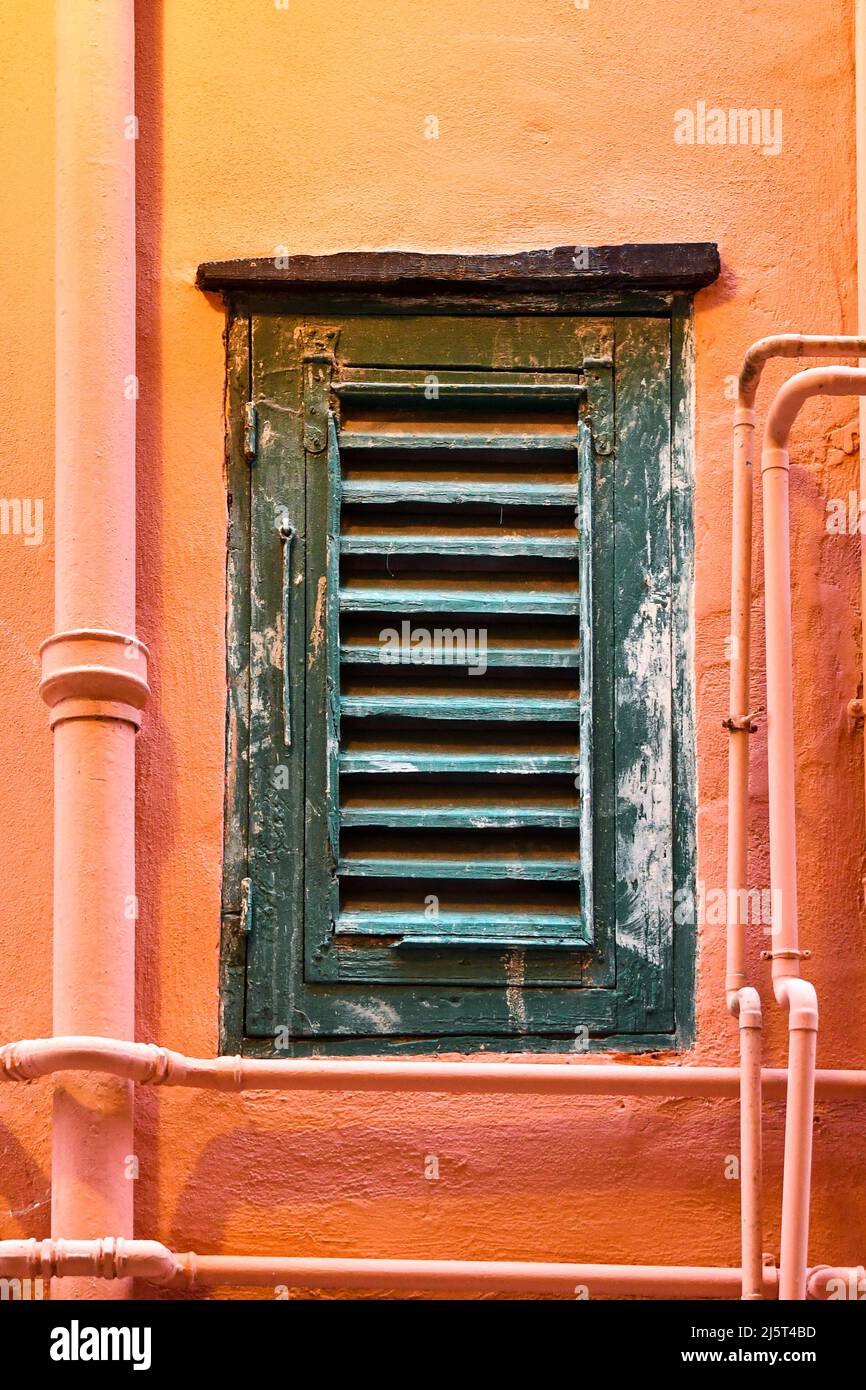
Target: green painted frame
[[260, 333]]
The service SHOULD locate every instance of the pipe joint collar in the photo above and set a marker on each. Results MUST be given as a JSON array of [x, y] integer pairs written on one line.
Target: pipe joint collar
[[93, 673], [774, 458], [109, 1258]]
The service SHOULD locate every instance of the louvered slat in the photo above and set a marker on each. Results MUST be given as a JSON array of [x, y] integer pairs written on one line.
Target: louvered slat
[[397, 542], [369, 655], [463, 817], [365, 384], [408, 442], [445, 598], [470, 930], [467, 706], [388, 492], [513, 868]]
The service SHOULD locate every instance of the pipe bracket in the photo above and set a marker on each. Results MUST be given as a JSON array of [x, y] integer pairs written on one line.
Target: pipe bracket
[[787, 953], [742, 723]]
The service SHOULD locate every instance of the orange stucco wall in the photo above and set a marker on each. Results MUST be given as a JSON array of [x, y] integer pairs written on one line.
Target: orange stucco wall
[[304, 127]]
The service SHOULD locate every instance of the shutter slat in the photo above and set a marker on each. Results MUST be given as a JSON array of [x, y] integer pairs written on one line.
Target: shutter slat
[[398, 762], [361, 654], [562, 867], [403, 543], [497, 929], [388, 492], [512, 941], [513, 709], [376, 923], [399, 598], [452, 441], [423, 386], [461, 817]]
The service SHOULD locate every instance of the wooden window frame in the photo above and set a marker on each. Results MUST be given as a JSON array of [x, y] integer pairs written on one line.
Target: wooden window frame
[[622, 282]]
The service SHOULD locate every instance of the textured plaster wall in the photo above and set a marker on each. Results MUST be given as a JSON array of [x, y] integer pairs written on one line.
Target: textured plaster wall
[[304, 127]]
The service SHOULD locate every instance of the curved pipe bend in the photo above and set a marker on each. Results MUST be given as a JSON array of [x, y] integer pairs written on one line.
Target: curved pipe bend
[[791, 345], [790, 398]]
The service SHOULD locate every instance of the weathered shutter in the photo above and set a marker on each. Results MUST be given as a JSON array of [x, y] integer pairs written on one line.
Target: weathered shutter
[[456, 638], [439, 858]]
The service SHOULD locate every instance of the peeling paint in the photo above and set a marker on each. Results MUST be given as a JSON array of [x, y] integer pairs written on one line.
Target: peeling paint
[[317, 634]]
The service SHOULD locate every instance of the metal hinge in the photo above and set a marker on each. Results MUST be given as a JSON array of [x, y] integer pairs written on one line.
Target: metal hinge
[[598, 373], [320, 345], [251, 431]]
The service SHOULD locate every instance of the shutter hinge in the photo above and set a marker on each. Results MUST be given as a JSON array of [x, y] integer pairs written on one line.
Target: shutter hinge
[[246, 906], [251, 431], [320, 345], [599, 386]]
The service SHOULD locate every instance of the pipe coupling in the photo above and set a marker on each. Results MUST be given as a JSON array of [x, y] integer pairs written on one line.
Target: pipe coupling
[[774, 457], [91, 673]]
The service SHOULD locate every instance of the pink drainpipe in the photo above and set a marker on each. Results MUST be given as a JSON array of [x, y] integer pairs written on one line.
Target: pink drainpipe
[[796, 994], [94, 670], [743, 1001]]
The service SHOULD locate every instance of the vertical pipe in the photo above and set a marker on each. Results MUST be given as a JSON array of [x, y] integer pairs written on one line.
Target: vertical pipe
[[738, 722], [94, 670], [751, 1156], [780, 708], [860, 135], [860, 142], [783, 852], [802, 1003], [797, 995]]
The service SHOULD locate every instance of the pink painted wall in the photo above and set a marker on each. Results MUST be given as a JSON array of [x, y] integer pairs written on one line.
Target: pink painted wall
[[304, 127]]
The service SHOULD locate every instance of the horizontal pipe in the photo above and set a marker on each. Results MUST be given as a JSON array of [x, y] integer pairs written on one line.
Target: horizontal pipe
[[148, 1064], [469, 1276], [115, 1258], [148, 1259]]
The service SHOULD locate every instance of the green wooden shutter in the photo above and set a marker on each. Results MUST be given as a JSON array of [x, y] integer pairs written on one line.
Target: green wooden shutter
[[433, 854]]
